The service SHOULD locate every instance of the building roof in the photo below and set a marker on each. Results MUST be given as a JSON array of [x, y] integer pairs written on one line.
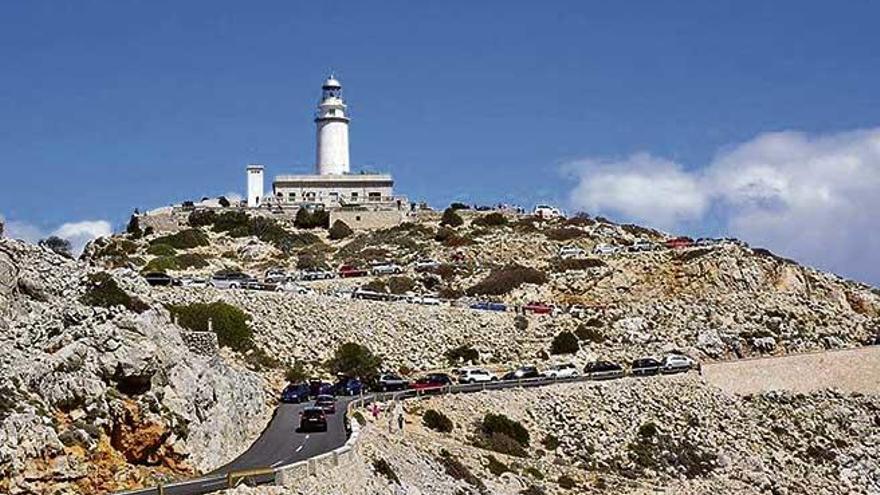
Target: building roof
[[340, 178]]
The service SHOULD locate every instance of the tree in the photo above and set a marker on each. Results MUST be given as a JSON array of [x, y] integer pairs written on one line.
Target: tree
[[354, 360], [296, 373], [340, 230], [57, 245], [223, 201], [134, 227], [564, 343], [451, 218]]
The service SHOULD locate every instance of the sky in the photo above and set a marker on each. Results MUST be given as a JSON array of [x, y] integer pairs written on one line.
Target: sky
[[752, 119]]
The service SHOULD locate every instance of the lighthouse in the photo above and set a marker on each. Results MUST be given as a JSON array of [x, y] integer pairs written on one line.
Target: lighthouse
[[332, 120]]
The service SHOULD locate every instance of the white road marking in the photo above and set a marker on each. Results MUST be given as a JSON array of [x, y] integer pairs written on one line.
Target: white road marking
[[300, 448], [277, 463]]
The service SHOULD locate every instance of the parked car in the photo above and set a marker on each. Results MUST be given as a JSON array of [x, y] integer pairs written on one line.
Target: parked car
[[603, 370], [295, 393], [604, 249], [571, 252], [538, 308], [676, 363], [159, 279], [546, 211], [645, 366], [318, 387], [193, 282], [293, 288], [312, 419], [475, 375], [347, 271], [707, 242], [386, 269], [349, 386], [679, 243], [522, 373], [371, 295], [327, 403], [489, 306], [389, 382], [565, 370], [641, 245], [231, 280], [315, 274], [275, 276], [425, 265], [432, 381], [426, 299]]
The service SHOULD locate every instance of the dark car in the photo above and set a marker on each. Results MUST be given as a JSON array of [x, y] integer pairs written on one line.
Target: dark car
[[603, 370], [489, 306], [645, 367], [313, 419], [432, 381], [317, 387], [522, 373], [349, 386], [389, 382], [327, 403], [295, 393], [158, 279]]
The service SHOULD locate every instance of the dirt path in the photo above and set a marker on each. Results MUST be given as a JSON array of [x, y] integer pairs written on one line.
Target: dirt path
[[851, 370]]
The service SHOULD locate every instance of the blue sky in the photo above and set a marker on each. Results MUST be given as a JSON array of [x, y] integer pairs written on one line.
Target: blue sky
[[108, 106]]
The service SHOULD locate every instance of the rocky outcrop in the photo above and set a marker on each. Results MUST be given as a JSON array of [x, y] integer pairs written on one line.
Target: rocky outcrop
[[106, 387]]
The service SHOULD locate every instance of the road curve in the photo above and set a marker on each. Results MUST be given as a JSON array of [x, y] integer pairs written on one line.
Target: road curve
[[279, 444]]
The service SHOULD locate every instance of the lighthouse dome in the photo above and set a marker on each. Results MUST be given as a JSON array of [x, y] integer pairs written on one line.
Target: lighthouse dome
[[331, 82]]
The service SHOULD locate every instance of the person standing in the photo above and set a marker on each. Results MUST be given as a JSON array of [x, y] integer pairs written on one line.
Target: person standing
[[375, 411], [398, 414]]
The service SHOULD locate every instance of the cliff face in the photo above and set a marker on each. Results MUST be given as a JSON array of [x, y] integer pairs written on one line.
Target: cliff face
[[96, 398]]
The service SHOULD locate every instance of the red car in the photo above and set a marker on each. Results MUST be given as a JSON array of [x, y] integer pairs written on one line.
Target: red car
[[431, 381], [679, 242], [346, 271], [538, 308]]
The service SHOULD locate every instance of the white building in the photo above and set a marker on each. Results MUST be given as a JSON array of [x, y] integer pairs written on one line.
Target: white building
[[333, 185], [254, 185]]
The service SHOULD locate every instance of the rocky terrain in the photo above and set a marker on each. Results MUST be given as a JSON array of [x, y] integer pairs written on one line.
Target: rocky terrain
[[633, 436], [720, 302], [97, 389]]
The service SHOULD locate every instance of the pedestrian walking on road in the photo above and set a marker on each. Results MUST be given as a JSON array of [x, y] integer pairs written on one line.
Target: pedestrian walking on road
[[398, 414]]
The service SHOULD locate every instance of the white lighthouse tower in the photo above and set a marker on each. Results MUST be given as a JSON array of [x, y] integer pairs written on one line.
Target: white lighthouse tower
[[332, 123]]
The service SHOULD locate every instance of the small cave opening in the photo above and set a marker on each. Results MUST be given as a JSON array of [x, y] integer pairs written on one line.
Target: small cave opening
[[132, 385]]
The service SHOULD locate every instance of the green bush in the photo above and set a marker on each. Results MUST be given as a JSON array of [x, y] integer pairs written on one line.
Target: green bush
[[462, 354], [657, 451], [354, 360], [161, 250], [437, 421], [57, 245], [564, 343], [494, 219], [459, 206], [117, 247], [451, 218], [400, 285], [533, 490], [134, 228], [566, 482], [190, 260], [501, 443], [306, 219], [185, 239], [102, 290], [375, 285], [550, 442], [499, 423], [161, 264], [340, 230], [563, 234], [506, 279], [231, 324], [590, 332], [382, 467], [497, 467], [534, 473], [456, 470], [201, 218], [296, 373]]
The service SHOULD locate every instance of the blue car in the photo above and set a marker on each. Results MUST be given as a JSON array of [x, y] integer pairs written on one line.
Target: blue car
[[349, 386], [317, 387], [489, 306], [295, 393]]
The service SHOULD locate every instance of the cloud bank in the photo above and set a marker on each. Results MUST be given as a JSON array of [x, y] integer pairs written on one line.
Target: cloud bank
[[78, 233], [813, 198]]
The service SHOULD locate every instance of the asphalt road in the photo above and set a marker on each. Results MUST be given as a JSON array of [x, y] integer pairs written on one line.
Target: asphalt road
[[279, 444]]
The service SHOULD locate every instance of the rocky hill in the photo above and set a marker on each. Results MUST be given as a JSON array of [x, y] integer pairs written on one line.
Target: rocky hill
[[98, 390], [722, 301]]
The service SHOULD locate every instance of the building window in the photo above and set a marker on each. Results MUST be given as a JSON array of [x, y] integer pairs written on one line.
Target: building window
[[291, 197], [374, 196]]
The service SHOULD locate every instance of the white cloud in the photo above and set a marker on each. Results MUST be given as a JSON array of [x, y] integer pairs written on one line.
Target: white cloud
[[641, 187], [813, 198], [78, 233]]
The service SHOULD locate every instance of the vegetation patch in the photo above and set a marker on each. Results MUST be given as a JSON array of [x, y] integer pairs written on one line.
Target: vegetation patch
[[201, 218], [117, 248], [437, 421], [306, 219], [296, 373], [382, 467], [550, 442], [590, 332], [161, 250], [451, 218], [652, 449], [340, 230], [563, 234], [102, 290], [568, 264], [499, 433], [566, 482], [494, 219], [354, 360], [564, 343], [497, 467], [456, 470], [231, 324], [400, 285], [179, 262], [185, 239], [462, 354], [502, 281]]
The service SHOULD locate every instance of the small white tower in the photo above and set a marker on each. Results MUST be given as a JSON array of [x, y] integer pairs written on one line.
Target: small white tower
[[332, 123], [254, 185]]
